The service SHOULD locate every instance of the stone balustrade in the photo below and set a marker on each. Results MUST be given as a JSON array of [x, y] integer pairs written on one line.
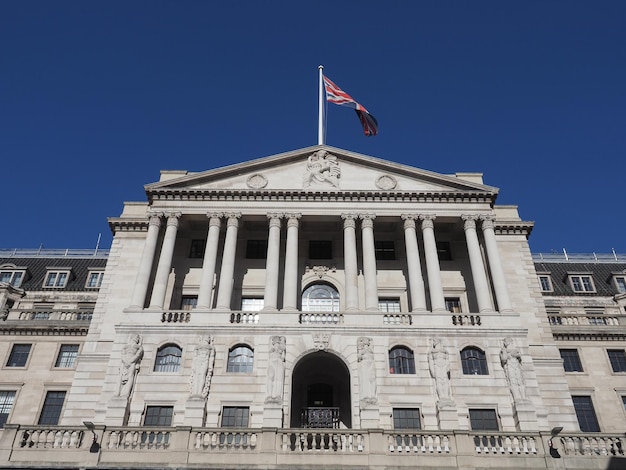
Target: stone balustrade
[[262, 448], [51, 315], [319, 318], [586, 320]]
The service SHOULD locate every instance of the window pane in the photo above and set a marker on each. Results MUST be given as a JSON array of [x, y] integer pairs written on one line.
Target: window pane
[[385, 249], [19, 355], [67, 355], [168, 359], [587, 284], [320, 298], [576, 284], [453, 304], [6, 403], [401, 361], [188, 302], [256, 249], [474, 362], [235, 416], [406, 418], [483, 420], [95, 279], [571, 361], [586, 414], [320, 249], [389, 305], [443, 251], [546, 285], [621, 284], [618, 359], [197, 248], [240, 359], [52, 406], [252, 304], [159, 416]]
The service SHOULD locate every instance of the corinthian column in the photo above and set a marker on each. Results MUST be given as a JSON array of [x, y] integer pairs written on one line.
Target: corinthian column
[[165, 262], [270, 297], [416, 282], [350, 261], [477, 265], [290, 285], [210, 257], [225, 289], [495, 265], [437, 301], [369, 261], [145, 265]]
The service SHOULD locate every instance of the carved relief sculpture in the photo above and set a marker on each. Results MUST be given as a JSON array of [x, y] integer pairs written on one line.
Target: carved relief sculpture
[[131, 358], [321, 341], [439, 365], [276, 370], [322, 168], [367, 372], [202, 370], [511, 360]]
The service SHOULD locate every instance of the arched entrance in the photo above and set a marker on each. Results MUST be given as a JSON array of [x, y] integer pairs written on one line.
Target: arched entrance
[[320, 396]]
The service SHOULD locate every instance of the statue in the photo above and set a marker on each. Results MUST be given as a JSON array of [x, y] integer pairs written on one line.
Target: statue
[[131, 357], [439, 365], [322, 168], [202, 369], [367, 372], [276, 370], [511, 360]]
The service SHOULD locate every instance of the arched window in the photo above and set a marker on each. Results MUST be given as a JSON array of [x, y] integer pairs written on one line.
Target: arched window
[[401, 361], [168, 358], [320, 298], [240, 359], [474, 361]]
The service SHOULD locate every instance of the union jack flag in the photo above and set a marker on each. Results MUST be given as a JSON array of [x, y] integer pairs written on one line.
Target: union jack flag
[[336, 95]]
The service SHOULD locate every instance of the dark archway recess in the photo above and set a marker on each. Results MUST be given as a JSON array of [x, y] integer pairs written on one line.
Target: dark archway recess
[[320, 395]]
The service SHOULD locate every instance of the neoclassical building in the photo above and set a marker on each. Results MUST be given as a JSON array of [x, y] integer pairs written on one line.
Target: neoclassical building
[[315, 308]]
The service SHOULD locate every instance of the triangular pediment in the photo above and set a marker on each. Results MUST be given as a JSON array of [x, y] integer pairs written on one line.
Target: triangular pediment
[[319, 168]]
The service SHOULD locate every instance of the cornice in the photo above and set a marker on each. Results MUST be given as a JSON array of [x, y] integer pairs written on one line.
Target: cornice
[[176, 194], [586, 336], [118, 224], [23, 328], [513, 228]]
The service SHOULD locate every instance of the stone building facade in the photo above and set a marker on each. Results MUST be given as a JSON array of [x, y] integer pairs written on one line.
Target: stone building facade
[[314, 308]]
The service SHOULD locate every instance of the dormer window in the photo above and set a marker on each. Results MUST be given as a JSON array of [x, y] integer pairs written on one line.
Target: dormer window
[[581, 283], [56, 279], [545, 281], [620, 283], [12, 277], [94, 279]]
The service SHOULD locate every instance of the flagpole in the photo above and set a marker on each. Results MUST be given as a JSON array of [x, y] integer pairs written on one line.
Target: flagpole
[[320, 120]]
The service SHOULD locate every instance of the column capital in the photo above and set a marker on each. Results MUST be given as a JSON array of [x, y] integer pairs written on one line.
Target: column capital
[[487, 221], [154, 218], [409, 220], [274, 219], [349, 220], [428, 220], [470, 221], [172, 218], [293, 219], [215, 218], [367, 220], [233, 219], [275, 215]]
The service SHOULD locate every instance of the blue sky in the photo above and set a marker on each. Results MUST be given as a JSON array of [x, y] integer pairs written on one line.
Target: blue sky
[[97, 97]]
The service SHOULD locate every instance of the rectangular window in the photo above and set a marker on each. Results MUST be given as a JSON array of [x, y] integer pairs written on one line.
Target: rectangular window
[[389, 305], [406, 418], [620, 283], [443, 251], [618, 359], [235, 416], [571, 360], [196, 250], [546, 283], [56, 279], [159, 416], [188, 302], [252, 304], [586, 414], [453, 304], [52, 406], [67, 356], [581, 283], [483, 420], [6, 403], [19, 355], [385, 249], [320, 249], [256, 249], [94, 279], [13, 278]]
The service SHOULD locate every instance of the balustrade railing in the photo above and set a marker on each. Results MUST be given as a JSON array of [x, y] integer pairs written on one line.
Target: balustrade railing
[[144, 438], [176, 316], [248, 318], [592, 445], [344, 441], [585, 320], [50, 437], [397, 319], [466, 320], [418, 443], [504, 444], [224, 439], [54, 315], [317, 318]]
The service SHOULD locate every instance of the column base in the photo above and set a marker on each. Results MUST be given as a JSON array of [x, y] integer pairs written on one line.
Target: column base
[[117, 412], [273, 415], [194, 412], [370, 417], [447, 415], [525, 416]]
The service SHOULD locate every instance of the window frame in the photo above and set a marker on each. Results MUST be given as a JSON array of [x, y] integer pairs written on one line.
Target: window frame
[[256, 249], [590, 421], [56, 284], [63, 362], [467, 361], [164, 362], [475, 419], [401, 364], [385, 250], [158, 416], [49, 410], [238, 413], [252, 304], [385, 302], [318, 249], [197, 247], [332, 304], [235, 365], [397, 418], [548, 287], [571, 360], [6, 408], [621, 288], [617, 362], [13, 351], [449, 303], [99, 275], [13, 272], [187, 303], [583, 287]]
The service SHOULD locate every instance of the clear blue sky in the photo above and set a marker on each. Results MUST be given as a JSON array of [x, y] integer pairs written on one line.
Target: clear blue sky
[[97, 97]]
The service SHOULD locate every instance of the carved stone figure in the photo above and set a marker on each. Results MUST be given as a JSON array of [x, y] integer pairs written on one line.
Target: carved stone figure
[[322, 167], [131, 357], [439, 365], [367, 371], [202, 369], [511, 360], [276, 370]]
